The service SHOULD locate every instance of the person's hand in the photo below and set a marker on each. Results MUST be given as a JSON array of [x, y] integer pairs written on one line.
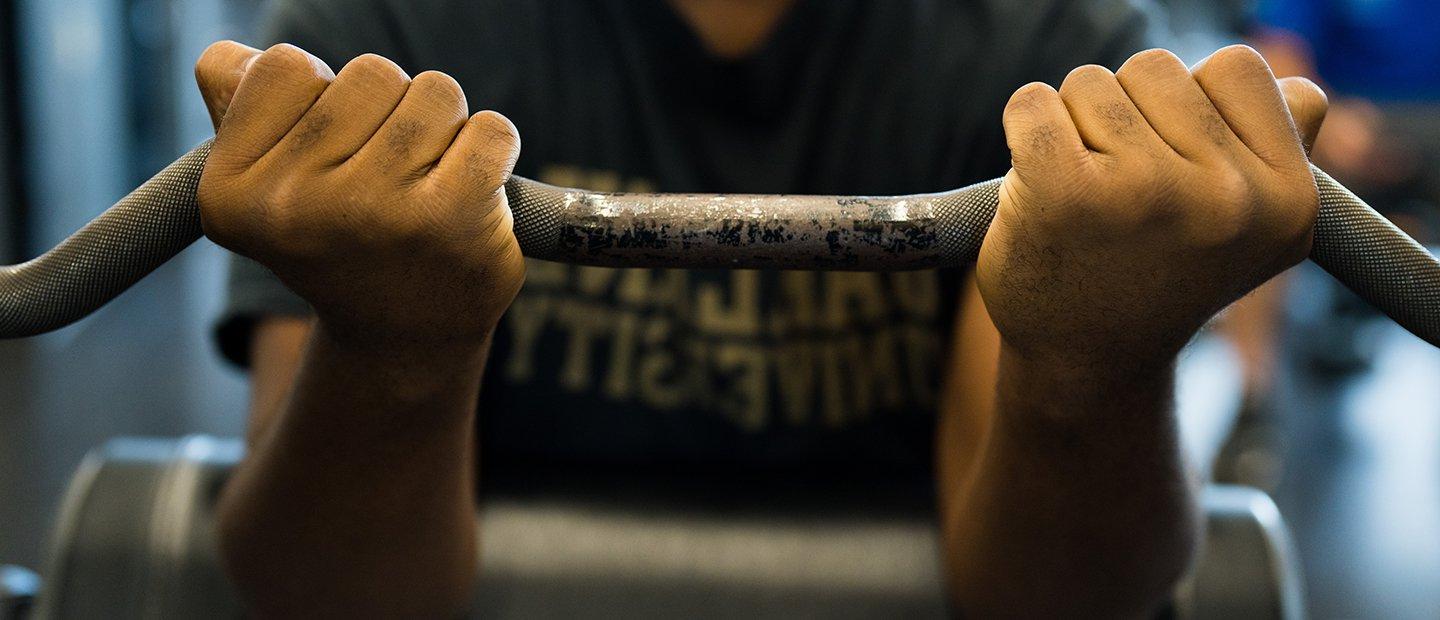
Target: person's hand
[[375, 197], [1142, 202]]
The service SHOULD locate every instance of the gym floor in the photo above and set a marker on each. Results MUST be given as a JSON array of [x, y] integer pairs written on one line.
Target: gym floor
[[1361, 450], [1362, 483]]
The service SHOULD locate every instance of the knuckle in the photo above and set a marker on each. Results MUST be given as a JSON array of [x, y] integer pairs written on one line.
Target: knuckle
[[1239, 65], [497, 131], [1230, 189], [1306, 89], [310, 131], [376, 68], [291, 62], [1085, 75], [281, 195], [1029, 97], [1153, 57], [1153, 61], [488, 172], [1226, 204], [1240, 56], [1091, 71], [219, 69], [284, 56], [210, 61], [402, 134], [1040, 140], [439, 88], [1305, 97], [214, 49], [498, 145]]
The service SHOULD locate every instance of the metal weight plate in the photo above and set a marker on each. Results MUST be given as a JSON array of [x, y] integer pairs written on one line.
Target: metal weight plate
[[134, 535], [135, 539]]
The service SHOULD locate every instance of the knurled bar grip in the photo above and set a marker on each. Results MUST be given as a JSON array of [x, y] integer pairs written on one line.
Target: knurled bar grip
[[738, 231]]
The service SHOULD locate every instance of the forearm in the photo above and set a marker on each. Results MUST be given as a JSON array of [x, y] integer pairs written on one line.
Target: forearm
[[1078, 502], [358, 498]]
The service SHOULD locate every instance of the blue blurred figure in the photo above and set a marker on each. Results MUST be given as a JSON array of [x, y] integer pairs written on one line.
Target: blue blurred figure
[[1382, 50], [1380, 60]]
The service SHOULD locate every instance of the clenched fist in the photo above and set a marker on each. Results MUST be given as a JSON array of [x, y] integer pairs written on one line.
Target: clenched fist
[[376, 197], [1142, 202]]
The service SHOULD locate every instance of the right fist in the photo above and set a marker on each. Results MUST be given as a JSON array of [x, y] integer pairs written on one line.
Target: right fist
[[375, 197], [1142, 201]]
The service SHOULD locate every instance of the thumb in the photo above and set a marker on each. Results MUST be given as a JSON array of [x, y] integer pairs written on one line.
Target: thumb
[[1308, 105], [218, 74]]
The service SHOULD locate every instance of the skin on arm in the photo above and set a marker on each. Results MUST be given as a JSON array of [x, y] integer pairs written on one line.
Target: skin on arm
[[277, 349], [379, 200], [1140, 203], [967, 399], [1041, 517]]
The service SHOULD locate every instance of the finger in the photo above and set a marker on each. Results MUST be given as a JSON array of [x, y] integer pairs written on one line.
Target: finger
[[482, 158], [218, 74], [275, 93], [1103, 114], [350, 111], [1308, 106], [1239, 83], [1176, 107], [422, 127], [1041, 135]]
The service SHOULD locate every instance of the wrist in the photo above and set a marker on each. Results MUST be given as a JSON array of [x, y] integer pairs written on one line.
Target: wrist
[[1070, 381], [395, 338], [383, 391], [1084, 359], [405, 357]]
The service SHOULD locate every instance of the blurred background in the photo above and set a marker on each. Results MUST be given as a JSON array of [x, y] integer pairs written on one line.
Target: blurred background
[[1338, 414], [96, 96]]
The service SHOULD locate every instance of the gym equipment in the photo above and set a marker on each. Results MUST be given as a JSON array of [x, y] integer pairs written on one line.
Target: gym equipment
[[18, 587], [1245, 528], [135, 539], [145, 229]]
